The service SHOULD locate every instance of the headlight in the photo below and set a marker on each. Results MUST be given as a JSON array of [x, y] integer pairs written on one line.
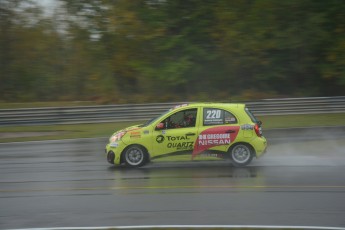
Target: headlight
[[116, 137]]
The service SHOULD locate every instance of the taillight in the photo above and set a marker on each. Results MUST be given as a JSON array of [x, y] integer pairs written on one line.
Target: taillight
[[258, 130]]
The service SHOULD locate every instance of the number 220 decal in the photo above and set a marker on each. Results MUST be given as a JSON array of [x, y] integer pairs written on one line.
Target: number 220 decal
[[213, 114]]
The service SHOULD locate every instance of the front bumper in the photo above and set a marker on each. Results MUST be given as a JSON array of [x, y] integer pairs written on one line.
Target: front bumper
[[110, 157], [113, 153]]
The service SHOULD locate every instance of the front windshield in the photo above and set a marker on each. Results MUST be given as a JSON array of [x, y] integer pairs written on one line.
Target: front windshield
[[149, 122]]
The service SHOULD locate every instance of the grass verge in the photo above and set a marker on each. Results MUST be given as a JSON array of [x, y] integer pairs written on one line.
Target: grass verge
[[55, 132], [303, 120]]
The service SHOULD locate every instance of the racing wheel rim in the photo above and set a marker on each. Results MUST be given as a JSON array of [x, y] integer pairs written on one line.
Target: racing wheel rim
[[134, 156], [241, 154]]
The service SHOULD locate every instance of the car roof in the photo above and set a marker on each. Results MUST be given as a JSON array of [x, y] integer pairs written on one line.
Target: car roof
[[211, 104]]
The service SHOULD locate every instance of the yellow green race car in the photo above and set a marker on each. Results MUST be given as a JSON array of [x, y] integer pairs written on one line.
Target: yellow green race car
[[222, 130]]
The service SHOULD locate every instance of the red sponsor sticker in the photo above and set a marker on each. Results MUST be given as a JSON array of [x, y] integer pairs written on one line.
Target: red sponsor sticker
[[222, 135]]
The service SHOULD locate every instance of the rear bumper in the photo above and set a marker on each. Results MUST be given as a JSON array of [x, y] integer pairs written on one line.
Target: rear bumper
[[260, 145]]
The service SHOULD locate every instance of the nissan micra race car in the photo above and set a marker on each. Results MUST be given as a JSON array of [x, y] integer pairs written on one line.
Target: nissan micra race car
[[223, 130]]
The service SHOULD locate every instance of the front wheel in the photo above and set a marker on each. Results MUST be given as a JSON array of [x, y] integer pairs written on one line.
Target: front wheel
[[241, 155], [135, 156]]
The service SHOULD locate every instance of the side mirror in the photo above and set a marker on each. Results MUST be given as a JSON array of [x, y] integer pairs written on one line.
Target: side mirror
[[160, 126]]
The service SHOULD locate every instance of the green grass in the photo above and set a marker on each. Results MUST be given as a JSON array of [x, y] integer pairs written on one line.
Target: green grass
[[55, 132], [307, 120], [63, 131]]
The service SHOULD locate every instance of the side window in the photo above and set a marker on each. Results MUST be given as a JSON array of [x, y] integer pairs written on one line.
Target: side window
[[181, 119], [214, 116], [229, 118]]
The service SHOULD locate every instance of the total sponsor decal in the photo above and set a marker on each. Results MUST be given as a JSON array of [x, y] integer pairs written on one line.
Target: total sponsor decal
[[222, 135], [161, 138], [184, 145], [181, 146]]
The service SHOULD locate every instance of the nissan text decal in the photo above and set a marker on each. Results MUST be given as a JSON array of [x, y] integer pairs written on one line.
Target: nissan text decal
[[214, 139], [221, 135]]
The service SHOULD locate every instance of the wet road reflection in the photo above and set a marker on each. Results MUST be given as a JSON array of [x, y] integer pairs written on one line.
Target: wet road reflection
[[69, 183]]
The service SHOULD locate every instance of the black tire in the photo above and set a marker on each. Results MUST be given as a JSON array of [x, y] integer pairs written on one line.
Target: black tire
[[135, 156], [111, 157], [241, 154]]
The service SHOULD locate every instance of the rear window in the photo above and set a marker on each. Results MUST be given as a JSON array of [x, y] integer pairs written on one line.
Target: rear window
[[251, 115]]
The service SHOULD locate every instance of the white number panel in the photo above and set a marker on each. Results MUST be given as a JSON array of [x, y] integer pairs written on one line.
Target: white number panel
[[213, 116]]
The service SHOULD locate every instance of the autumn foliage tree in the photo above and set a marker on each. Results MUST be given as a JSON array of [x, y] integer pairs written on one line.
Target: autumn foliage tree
[[167, 50]]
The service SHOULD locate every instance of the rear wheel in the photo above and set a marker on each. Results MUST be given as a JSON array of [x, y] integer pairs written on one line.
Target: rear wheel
[[241, 155], [135, 156]]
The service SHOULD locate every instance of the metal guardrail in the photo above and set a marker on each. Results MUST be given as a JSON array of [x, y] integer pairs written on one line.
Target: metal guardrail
[[131, 112], [287, 106]]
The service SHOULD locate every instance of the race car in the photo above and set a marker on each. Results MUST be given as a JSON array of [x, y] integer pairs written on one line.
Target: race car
[[223, 130]]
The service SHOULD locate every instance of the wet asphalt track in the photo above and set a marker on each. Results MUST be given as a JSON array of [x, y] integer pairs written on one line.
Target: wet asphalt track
[[69, 183]]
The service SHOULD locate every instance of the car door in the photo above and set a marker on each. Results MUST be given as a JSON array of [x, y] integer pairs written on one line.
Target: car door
[[218, 130], [175, 133]]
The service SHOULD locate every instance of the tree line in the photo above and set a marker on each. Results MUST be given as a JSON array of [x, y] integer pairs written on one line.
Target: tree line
[[170, 50]]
